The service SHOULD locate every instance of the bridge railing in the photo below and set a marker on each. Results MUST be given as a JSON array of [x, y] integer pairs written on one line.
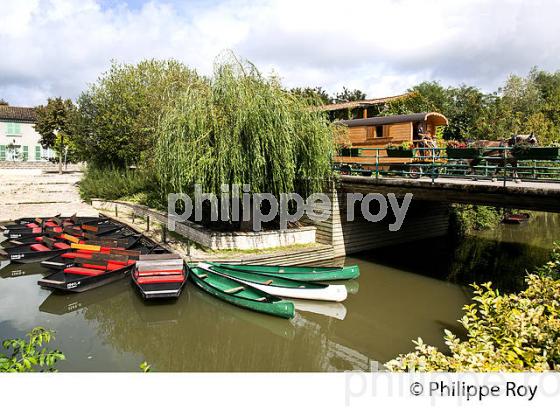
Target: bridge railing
[[495, 163]]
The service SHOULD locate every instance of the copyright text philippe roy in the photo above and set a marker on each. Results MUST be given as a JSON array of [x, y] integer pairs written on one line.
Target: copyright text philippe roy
[[457, 387]]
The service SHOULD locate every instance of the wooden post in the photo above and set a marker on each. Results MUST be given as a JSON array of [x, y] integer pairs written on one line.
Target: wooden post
[[133, 216], [505, 165], [116, 211], [377, 163], [365, 113], [148, 223], [164, 234]]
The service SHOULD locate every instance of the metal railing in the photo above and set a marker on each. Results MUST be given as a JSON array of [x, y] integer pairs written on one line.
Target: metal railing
[[493, 163]]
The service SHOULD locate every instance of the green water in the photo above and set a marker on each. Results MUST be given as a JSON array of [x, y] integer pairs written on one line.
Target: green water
[[404, 292]]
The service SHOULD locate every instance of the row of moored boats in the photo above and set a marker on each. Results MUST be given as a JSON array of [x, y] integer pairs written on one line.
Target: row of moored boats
[[86, 253]]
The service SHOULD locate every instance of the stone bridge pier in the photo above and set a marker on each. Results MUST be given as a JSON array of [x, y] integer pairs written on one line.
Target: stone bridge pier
[[423, 220]]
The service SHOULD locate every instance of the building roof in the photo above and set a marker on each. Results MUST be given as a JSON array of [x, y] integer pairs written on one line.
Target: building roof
[[350, 105], [8, 112], [439, 119]]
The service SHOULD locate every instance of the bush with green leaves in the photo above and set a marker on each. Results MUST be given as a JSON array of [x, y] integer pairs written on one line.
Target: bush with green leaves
[[468, 218], [29, 355], [511, 332], [138, 185]]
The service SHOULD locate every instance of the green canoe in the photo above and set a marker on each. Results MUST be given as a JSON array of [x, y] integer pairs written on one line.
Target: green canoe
[[302, 273], [241, 294], [282, 287]]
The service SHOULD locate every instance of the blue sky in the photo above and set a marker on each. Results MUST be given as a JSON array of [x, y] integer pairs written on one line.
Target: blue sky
[[58, 47]]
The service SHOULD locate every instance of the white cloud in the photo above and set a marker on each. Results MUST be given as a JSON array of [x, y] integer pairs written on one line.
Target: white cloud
[[56, 47]]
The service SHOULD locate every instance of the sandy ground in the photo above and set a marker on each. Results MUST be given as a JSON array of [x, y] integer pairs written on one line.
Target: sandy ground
[[33, 192]]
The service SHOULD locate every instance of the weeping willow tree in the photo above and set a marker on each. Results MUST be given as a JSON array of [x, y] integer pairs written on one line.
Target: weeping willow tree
[[240, 127]]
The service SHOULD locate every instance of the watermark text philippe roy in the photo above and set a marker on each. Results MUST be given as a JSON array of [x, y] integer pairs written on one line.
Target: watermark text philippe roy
[[236, 203]]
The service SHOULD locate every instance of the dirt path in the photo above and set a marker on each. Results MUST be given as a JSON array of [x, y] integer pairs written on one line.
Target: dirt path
[[33, 192]]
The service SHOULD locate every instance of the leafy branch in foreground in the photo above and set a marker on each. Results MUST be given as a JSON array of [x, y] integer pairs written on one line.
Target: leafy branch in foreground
[[512, 332], [30, 355]]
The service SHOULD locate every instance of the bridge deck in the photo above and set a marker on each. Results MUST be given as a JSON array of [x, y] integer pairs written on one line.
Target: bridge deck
[[540, 196]]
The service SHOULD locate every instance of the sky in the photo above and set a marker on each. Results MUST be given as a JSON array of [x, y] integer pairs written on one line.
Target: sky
[[52, 48]]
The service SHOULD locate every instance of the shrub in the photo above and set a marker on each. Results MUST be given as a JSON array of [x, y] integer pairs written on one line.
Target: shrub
[[29, 355], [468, 218], [114, 183], [512, 332]]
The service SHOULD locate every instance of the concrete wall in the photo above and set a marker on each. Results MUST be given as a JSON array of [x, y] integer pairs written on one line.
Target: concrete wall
[[423, 220], [216, 240]]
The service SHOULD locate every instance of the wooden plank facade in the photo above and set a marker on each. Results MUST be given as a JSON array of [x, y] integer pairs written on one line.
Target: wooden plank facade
[[378, 132]]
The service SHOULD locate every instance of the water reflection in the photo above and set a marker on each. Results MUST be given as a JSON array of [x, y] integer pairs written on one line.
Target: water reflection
[[395, 300]]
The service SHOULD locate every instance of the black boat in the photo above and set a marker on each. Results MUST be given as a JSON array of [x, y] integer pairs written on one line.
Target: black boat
[[100, 245], [86, 274], [46, 249], [101, 227], [74, 220], [160, 276]]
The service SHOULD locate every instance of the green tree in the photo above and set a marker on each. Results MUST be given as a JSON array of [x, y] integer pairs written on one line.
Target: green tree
[[3, 102], [243, 128], [315, 95], [55, 125], [347, 95], [118, 115], [28, 355]]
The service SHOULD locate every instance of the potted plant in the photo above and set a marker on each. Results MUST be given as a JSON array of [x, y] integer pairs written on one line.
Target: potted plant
[[404, 150], [460, 150], [524, 151]]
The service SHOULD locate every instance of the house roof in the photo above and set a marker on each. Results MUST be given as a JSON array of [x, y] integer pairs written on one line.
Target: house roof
[[8, 112], [361, 103], [439, 119]]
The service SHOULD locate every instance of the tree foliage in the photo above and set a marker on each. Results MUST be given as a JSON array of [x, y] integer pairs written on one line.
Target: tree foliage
[[240, 127], [313, 95], [118, 115], [55, 118], [523, 105], [511, 332], [28, 355], [347, 95]]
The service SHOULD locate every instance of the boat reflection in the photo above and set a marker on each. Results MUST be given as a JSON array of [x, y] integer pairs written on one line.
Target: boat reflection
[[330, 309], [62, 303]]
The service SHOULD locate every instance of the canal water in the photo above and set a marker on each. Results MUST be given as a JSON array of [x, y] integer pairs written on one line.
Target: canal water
[[404, 292]]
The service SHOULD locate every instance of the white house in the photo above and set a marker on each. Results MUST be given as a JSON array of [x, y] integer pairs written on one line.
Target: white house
[[18, 139]]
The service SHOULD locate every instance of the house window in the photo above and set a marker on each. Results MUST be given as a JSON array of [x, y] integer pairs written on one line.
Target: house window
[[379, 131], [13, 129]]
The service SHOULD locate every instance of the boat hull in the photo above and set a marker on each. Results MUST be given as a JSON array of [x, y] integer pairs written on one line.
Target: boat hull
[[61, 281], [272, 306], [282, 287], [301, 273]]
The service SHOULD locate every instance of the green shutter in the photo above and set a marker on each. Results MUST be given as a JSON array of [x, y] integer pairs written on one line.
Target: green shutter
[[37, 152], [25, 152], [13, 128], [2, 153]]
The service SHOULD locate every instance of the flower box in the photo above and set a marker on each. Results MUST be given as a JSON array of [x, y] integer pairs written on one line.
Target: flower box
[[400, 153], [463, 153], [542, 153]]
